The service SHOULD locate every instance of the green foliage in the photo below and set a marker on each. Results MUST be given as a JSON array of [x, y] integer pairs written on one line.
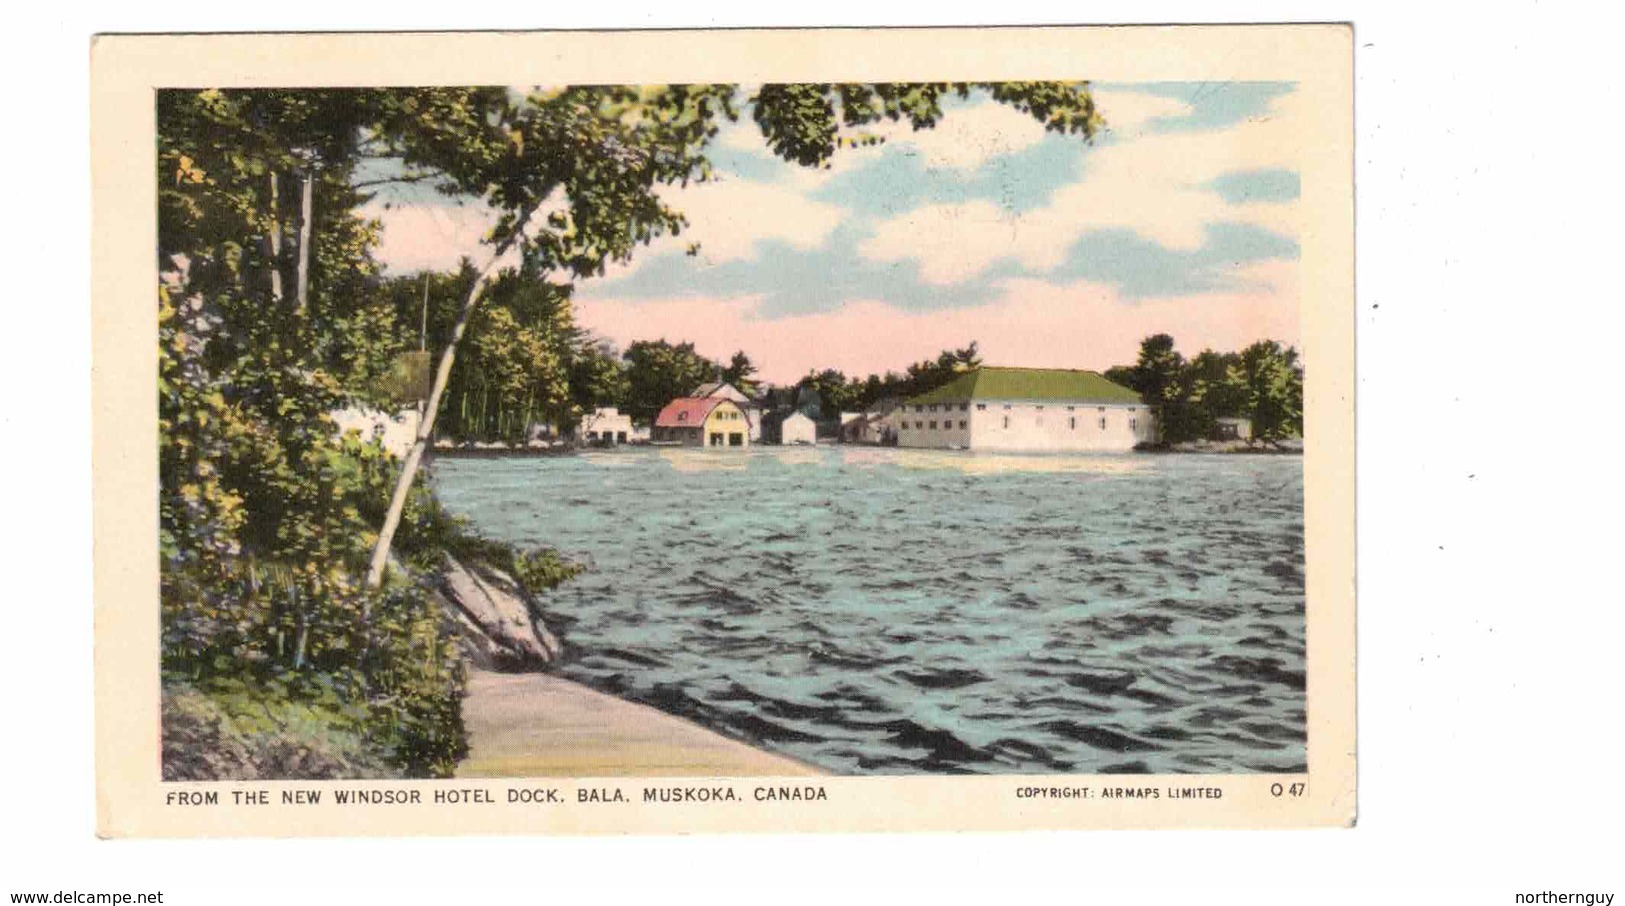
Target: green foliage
[[658, 371], [1263, 382], [803, 122], [266, 516], [741, 372], [542, 569], [598, 377], [406, 381], [235, 731], [429, 532], [836, 393], [1272, 384]]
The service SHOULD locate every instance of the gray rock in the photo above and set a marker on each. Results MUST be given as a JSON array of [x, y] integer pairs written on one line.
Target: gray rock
[[500, 630]]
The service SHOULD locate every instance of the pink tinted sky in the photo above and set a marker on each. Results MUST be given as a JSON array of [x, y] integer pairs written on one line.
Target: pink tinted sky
[[1034, 324]]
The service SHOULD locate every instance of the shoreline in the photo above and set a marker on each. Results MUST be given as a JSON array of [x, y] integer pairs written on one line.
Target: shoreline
[[543, 725]]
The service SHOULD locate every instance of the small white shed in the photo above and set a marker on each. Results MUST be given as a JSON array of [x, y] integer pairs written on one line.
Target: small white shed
[[798, 429]]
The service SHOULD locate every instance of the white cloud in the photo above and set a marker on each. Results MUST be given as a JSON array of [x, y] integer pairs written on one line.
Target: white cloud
[[1154, 185], [729, 216], [968, 137], [1127, 112]]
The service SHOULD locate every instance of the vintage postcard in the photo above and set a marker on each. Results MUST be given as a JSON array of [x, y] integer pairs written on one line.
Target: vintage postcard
[[826, 430]]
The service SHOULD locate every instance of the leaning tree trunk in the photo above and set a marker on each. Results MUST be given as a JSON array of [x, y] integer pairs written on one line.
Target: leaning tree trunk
[[409, 468]]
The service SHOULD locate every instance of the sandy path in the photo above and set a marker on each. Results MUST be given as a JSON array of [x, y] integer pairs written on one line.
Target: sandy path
[[535, 725]]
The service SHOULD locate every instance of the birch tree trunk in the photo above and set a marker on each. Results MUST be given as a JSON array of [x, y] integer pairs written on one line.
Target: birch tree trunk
[[442, 376], [273, 245], [301, 284]]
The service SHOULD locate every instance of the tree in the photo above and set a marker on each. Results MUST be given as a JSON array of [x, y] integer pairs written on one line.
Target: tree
[[832, 392], [598, 377], [1158, 376], [741, 373], [1263, 382], [658, 371], [1215, 390], [1273, 380]]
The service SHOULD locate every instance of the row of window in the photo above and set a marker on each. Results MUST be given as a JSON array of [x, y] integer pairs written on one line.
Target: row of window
[[982, 407], [1071, 423]]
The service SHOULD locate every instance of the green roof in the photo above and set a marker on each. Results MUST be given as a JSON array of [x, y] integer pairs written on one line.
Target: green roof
[[989, 383]]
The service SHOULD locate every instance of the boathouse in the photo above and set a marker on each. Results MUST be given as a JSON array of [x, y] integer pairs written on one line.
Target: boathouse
[[702, 422], [606, 425], [1027, 410], [727, 391]]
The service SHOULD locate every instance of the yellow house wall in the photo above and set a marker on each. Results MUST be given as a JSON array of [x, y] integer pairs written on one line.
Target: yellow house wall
[[726, 419]]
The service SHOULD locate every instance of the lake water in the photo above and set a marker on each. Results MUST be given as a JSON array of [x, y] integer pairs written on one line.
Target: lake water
[[895, 611]]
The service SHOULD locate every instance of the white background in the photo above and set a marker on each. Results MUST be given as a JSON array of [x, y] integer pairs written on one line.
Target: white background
[[1489, 192]]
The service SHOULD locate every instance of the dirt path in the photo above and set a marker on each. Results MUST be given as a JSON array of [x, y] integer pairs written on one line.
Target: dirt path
[[535, 725]]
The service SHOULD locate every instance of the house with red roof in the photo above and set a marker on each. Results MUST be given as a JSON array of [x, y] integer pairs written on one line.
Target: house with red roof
[[727, 391], [702, 422]]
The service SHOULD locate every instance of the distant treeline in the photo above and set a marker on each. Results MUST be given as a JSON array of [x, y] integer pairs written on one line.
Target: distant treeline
[[1263, 382], [527, 362]]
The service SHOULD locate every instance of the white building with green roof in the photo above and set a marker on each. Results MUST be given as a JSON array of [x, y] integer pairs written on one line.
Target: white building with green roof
[[1036, 410]]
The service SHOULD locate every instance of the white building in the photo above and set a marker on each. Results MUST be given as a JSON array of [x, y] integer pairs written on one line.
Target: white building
[[1027, 410], [605, 425], [396, 433], [798, 429], [1233, 429]]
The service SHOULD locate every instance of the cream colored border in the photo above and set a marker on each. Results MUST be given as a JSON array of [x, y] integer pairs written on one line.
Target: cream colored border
[[126, 70]]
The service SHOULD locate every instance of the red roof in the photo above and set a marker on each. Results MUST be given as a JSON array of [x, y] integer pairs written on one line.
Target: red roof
[[687, 411]]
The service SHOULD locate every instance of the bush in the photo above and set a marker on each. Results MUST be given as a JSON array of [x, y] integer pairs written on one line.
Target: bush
[[429, 532], [542, 569], [240, 732]]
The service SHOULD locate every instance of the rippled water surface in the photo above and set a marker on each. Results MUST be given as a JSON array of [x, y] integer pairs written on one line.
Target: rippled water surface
[[893, 611]]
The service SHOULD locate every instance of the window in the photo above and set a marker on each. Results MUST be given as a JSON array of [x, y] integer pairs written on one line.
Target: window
[[933, 426], [1007, 407], [1007, 420], [1040, 407], [981, 407], [918, 425], [931, 408], [1071, 408], [682, 416], [1101, 409], [1103, 423], [1072, 423], [961, 424], [964, 406], [1133, 423]]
